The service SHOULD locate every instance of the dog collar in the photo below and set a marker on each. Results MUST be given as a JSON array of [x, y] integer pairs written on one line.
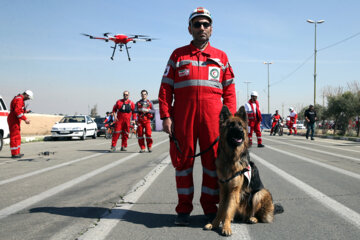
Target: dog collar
[[246, 171]]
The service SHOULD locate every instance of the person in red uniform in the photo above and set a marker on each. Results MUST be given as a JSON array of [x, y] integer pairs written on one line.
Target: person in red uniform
[[293, 117], [275, 119], [254, 118], [123, 110], [145, 112], [197, 81], [17, 113]]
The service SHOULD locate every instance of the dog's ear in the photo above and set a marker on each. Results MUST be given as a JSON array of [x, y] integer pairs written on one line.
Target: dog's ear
[[241, 113], [224, 114]]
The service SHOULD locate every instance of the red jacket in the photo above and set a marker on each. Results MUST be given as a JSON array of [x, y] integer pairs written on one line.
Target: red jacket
[[253, 116], [144, 116], [124, 109], [17, 109], [195, 78], [293, 117]]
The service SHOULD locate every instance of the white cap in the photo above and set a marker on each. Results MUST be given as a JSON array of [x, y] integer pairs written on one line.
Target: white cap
[[30, 94], [291, 109], [200, 11], [254, 93]]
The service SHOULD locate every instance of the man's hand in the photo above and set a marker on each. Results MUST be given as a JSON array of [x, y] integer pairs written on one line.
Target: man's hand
[[27, 121], [133, 121], [167, 126]]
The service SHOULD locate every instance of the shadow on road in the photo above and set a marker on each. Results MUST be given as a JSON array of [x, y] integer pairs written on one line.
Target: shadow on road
[[148, 219]]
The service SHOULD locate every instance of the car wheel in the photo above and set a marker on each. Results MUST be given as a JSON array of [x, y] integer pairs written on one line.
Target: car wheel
[[98, 134], [1, 141], [94, 136], [84, 135]]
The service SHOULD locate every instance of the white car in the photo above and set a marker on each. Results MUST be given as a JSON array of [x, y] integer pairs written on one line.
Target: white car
[[80, 126], [300, 125], [4, 127]]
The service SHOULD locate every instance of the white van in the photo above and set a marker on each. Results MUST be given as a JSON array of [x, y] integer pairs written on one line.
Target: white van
[[4, 127]]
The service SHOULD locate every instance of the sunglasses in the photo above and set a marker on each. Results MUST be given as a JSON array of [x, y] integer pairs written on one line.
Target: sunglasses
[[199, 24]]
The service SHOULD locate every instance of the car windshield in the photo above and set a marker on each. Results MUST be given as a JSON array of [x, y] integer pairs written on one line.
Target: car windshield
[[73, 119], [99, 120]]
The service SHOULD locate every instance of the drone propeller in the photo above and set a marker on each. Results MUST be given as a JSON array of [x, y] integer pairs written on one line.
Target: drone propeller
[[106, 34], [87, 35], [137, 36]]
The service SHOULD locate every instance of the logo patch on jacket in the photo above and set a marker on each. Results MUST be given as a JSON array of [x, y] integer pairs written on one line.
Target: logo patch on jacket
[[184, 72], [214, 73], [167, 69]]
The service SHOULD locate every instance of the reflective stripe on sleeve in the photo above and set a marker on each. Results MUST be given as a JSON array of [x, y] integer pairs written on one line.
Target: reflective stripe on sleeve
[[228, 82], [168, 81], [19, 116]]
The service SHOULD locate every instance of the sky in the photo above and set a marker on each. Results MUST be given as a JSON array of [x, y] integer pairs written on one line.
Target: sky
[[42, 49]]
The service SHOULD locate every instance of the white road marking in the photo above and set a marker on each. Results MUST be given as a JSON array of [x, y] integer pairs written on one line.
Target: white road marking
[[5, 212], [315, 150], [327, 146], [341, 210], [9, 180], [336, 169], [108, 222]]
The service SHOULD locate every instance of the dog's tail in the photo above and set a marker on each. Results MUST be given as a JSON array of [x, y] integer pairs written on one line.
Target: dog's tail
[[278, 208]]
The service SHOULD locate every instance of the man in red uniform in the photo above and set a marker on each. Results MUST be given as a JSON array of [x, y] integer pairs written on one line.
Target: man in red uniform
[[293, 118], [275, 119], [145, 112], [17, 111], [197, 81], [122, 112], [254, 118]]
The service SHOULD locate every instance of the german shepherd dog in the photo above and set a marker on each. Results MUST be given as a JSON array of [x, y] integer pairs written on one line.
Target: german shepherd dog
[[242, 193]]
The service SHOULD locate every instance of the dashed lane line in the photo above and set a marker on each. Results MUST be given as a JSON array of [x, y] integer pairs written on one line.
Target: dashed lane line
[[315, 150], [5, 212], [346, 213], [324, 165]]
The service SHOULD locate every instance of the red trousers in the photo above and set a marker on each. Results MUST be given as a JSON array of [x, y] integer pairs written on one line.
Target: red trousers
[[255, 126], [272, 127], [200, 126], [291, 127], [122, 126], [15, 137], [144, 127]]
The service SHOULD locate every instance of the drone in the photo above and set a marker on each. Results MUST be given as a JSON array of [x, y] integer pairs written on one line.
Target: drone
[[121, 40]]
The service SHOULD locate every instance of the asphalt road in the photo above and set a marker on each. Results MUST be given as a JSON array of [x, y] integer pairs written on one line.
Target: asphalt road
[[81, 191]]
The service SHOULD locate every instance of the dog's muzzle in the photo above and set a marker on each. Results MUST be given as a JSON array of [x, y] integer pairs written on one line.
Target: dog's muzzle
[[236, 137]]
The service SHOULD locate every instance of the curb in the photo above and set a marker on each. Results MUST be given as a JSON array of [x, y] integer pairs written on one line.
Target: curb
[[28, 139]]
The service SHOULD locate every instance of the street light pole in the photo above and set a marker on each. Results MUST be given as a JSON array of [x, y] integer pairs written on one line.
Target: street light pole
[[247, 90], [268, 64], [315, 51]]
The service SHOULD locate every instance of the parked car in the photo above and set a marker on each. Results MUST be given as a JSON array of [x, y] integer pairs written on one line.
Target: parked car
[[80, 126], [300, 125], [101, 129], [4, 127]]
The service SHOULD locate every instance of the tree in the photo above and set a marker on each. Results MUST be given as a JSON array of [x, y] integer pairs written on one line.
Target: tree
[[341, 108], [93, 111]]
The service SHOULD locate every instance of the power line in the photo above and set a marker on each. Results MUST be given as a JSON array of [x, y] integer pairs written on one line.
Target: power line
[[337, 43], [290, 74]]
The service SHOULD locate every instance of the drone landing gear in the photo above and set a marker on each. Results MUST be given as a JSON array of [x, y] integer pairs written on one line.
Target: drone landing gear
[[127, 51], [114, 47]]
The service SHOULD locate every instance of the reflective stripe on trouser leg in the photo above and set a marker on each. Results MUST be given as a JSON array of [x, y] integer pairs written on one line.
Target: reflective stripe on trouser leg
[[149, 140], [125, 126], [210, 188], [185, 190], [15, 139], [116, 134], [140, 133], [250, 133], [258, 132]]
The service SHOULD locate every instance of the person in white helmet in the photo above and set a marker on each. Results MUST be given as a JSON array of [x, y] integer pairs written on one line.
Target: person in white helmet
[[197, 81], [293, 117], [17, 113], [254, 118]]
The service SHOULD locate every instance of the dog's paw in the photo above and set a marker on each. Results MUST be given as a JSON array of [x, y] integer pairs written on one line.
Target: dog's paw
[[208, 226], [226, 231], [253, 220]]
